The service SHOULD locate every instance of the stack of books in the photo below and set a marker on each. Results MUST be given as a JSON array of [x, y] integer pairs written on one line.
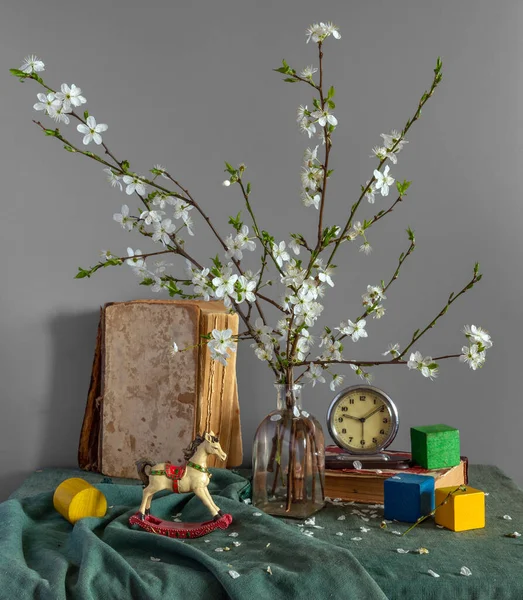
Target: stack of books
[[366, 485]]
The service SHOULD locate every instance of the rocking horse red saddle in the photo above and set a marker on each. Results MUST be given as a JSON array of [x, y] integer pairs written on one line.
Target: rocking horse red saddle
[[175, 473]]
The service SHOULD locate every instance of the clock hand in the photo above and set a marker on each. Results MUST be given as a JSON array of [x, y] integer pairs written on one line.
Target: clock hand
[[374, 410], [351, 417]]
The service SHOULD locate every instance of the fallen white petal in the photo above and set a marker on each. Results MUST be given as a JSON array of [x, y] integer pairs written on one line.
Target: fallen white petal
[[305, 414], [233, 534], [154, 559], [218, 549], [235, 543], [356, 539], [357, 465], [340, 533], [422, 551], [401, 551], [396, 532], [308, 532], [431, 572], [342, 518], [276, 418], [269, 570], [257, 514], [318, 527], [234, 574], [207, 541], [310, 521], [507, 517], [366, 519], [465, 571], [247, 501], [268, 545]]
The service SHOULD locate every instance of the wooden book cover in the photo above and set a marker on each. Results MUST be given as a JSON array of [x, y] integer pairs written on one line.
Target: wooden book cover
[[218, 408], [145, 402], [366, 485]]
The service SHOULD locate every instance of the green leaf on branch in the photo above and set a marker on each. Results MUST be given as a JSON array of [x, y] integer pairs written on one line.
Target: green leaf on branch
[[82, 273], [69, 148], [52, 132], [403, 187], [330, 172], [230, 168], [316, 103], [410, 233], [285, 69], [216, 262], [291, 80], [331, 93], [267, 238], [147, 281], [112, 262], [236, 221], [439, 64], [331, 104], [18, 73], [125, 165], [86, 114], [248, 188]]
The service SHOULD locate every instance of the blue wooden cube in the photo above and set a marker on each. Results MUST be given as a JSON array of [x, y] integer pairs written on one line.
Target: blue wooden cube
[[408, 497]]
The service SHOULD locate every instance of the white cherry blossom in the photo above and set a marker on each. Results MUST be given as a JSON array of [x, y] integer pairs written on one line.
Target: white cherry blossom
[[113, 178], [323, 117], [134, 184], [123, 218], [314, 374], [163, 230], [383, 180], [71, 95], [319, 31], [46, 102], [92, 131], [279, 253], [32, 64]]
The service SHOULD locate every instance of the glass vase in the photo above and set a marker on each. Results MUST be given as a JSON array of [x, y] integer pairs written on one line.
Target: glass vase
[[288, 459]]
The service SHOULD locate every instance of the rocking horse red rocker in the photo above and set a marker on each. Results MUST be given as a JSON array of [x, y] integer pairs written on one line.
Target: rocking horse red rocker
[[194, 476]]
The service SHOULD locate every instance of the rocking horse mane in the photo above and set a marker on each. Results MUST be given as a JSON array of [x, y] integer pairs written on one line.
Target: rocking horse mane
[[188, 452], [192, 447]]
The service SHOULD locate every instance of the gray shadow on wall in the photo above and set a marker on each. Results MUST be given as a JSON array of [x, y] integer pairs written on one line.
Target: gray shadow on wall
[[73, 338]]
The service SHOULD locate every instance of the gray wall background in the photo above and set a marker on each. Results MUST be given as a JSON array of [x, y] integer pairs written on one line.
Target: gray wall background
[[190, 85]]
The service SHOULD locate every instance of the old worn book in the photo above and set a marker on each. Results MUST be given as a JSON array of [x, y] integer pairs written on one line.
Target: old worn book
[[366, 485], [143, 401]]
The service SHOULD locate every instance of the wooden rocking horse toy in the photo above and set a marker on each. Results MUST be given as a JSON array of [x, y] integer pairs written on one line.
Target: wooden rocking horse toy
[[194, 476]]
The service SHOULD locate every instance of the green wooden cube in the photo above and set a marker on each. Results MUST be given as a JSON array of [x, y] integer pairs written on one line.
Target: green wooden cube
[[435, 446]]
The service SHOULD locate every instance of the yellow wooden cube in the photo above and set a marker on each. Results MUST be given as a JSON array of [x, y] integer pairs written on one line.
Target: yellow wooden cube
[[464, 510]]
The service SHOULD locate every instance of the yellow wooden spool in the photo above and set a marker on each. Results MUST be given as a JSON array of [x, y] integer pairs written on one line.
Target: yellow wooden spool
[[75, 498]]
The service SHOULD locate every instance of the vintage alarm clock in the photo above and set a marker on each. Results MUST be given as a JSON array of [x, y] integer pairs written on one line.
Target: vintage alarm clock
[[363, 420]]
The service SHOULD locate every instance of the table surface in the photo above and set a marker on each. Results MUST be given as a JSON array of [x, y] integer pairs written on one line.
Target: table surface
[[42, 555]]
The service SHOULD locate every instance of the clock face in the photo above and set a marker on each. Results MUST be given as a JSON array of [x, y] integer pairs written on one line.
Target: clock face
[[362, 420]]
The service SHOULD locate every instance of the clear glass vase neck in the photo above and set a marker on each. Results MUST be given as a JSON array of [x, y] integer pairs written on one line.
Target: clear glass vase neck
[[288, 395]]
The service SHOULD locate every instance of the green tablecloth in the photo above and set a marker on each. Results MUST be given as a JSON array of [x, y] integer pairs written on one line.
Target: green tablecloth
[[43, 556]]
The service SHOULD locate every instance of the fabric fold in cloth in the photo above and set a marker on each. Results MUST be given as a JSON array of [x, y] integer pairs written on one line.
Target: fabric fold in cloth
[[43, 556]]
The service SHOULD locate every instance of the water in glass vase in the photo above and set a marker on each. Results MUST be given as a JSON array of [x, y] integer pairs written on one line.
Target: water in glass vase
[[289, 459]]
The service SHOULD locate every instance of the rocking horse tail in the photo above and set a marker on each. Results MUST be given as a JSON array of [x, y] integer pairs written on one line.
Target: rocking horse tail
[[141, 465]]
